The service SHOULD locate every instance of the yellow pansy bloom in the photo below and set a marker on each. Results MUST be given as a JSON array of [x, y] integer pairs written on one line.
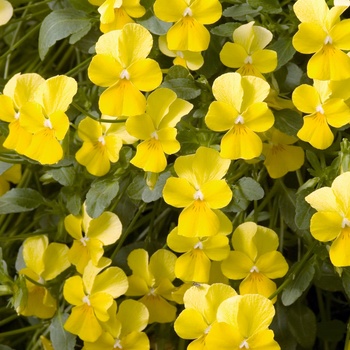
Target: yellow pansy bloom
[[239, 108], [280, 156], [247, 51], [194, 265], [90, 235], [153, 281], [12, 174], [200, 190], [101, 146], [187, 59], [332, 220], [43, 262], [322, 109], [6, 12], [121, 65], [116, 13], [323, 34], [242, 323], [201, 305], [18, 91], [92, 295], [124, 329], [46, 119], [157, 129], [255, 259], [188, 32]]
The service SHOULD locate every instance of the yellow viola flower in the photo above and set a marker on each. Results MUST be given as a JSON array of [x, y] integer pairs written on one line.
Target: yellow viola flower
[[92, 295], [121, 65], [255, 259], [18, 91], [124, 329], [46, 119], [280, 156], [239, 108], [194, 265], [248, 52], [322, 33], [201, 305], [157, 129], [101, 146], [43, 262], [153, 281], [12, 174], [90, 236], [323, 109], [242, 323], [116, 13], [6, 12], [332, 220], [188, 32], [188, 59], [201, 190]]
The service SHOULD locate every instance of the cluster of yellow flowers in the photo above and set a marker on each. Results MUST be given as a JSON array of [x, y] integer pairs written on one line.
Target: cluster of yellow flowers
[[134, 109]]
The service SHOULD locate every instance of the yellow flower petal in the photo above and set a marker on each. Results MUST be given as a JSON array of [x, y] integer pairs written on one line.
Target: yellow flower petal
[[324, 199], [257, 283], [237, 265], [133, 315], [107, 228], [340, 188], [101, 302], [178, 192], [258, 117], [6, 11], [217, 193], [18, 138], [159, 309], [206, 11], [138, 263], [265, 60], [133, 126], [8, 111], [33, 253], [73, 290], [79, 255], [339, 252], [233, 55], [162, 265], [112, 281], [313, 33], [221, 116], [190, 324], [326, 226], [255, 90], [337, 112], [145, 74], [55, 260], [340, 34], [313, 11], [272, 264]]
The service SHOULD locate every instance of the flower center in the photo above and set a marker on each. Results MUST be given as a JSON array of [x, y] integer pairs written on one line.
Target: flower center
[[328, 40], [187, 12], [16, 116], [319, 109], [248, 60], [198, 195], [118, 4], [244, 344], [180, 54], [345, 223], [86, 300], [154, 135], [47, 123], [198, 245], [117, 344], [84, 240], [239, 120], [125, 74], [206, 331], [151, 291], [101, 139], [254, 269]]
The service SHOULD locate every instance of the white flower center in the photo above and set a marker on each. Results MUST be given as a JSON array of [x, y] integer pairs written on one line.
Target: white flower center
[[47, 123], [248, 60], [198, 195], [86, 300], [345, 223], [154, 135], [244, 345], [187, 12], [101, 139], [328, 40], [84, 240], [319, 109], [118, 4], [151, 291], [125, 74], [207, 330], [41, 280], [198, 245], [254, 269], [16, 116], [239, 120], [117, 344], [180, 54]]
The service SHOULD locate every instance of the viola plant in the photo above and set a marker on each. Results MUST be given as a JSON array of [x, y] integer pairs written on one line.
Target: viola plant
[[174, 174]]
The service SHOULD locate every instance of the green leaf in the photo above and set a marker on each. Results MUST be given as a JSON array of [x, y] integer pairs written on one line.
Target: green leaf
[[286, 203], [154, 24], [135, 189], [302, 324], [83, 6], [60, 338], [61, 24], [5, 347], [4, 166], [225, 30], [299, 284], [269, 6], [326, 277], [332, 331], [19, 200], [64, 175], [288, 121], [250, 188], [100, 196], [149, 195], [71, 196], [303, 210], [285, 50], [239, 12]]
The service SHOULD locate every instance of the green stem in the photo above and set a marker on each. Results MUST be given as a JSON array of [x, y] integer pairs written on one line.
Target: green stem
[[21, 330], [8, 319], [295, 270], [128, 230], [81, 66], [31, 5]]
